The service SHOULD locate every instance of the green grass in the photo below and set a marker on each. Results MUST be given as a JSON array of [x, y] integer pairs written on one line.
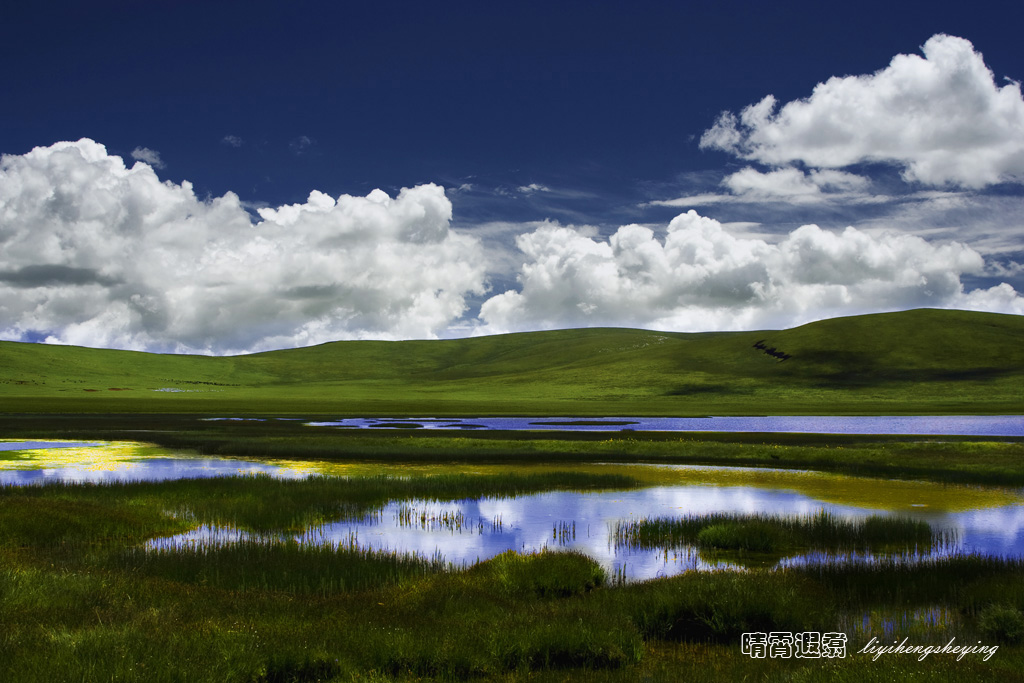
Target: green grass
[[80, 601], [970, 582], [272, 565], [57, 513], [953, 459], [775, 534], [922, 361]]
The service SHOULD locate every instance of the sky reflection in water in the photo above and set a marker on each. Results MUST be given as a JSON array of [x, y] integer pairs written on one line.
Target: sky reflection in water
[[39, 462], [152, 469], [968, 425], [985, 520], [583, 521]]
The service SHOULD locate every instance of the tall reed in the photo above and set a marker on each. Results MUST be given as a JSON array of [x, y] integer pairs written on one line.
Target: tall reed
[[774, 533]]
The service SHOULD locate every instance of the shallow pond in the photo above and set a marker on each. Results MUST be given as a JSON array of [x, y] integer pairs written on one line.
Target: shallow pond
[[466, 531], [984, 520], [947, 425], [38, 462], [44, 445]]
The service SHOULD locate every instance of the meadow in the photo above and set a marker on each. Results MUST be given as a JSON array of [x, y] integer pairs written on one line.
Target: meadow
[[81, 599], [926, 362]]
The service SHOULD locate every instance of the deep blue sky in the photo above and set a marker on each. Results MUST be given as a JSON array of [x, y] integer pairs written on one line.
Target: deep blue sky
[[608, 98], [588, 115]]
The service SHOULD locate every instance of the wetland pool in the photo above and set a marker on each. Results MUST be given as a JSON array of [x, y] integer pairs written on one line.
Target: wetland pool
[[40, 461], [972, 519], [463, 532], [923, 425]]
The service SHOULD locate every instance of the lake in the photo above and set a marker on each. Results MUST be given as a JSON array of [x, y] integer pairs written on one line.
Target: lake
[[983, 520], [40, 461], [44, 445], [943, 425], [465, 531]]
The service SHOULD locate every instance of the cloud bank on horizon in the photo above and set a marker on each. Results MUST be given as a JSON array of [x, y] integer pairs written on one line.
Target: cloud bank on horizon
[[97, 253]]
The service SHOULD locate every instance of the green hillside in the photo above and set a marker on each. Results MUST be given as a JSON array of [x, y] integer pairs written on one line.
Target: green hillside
[[921, 361]]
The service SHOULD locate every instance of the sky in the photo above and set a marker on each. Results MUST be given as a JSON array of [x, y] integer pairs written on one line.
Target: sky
[[230, 177]]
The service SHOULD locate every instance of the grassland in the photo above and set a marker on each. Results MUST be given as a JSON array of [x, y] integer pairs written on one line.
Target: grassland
[[772, 535], [921, 361], [976, 460], [80, 600]]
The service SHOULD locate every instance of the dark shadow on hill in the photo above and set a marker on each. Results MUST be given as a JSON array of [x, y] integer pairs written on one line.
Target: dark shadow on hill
[[859, 369]]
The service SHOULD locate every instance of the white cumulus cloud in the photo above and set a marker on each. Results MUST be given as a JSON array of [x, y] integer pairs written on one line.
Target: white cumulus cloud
[[699, 276], [940, 117], [98, 254]]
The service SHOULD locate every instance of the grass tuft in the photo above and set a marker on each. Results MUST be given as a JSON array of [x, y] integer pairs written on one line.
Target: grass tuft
[[775, 534]]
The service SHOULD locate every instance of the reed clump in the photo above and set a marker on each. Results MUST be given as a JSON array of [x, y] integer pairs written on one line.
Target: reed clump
[[544, 575], [268, 564], [776, 534]]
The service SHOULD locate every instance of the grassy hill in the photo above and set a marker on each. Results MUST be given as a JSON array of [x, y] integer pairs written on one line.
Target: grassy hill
[[921, 361]]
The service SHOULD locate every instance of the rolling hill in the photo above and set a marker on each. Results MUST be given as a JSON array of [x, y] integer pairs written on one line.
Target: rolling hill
[[920, 361]]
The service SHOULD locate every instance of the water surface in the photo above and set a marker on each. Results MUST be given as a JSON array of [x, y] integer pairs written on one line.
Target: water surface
[[983, 520], [924, 425], [6, 445], [975, 519], [464, 532], [39, 462]]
